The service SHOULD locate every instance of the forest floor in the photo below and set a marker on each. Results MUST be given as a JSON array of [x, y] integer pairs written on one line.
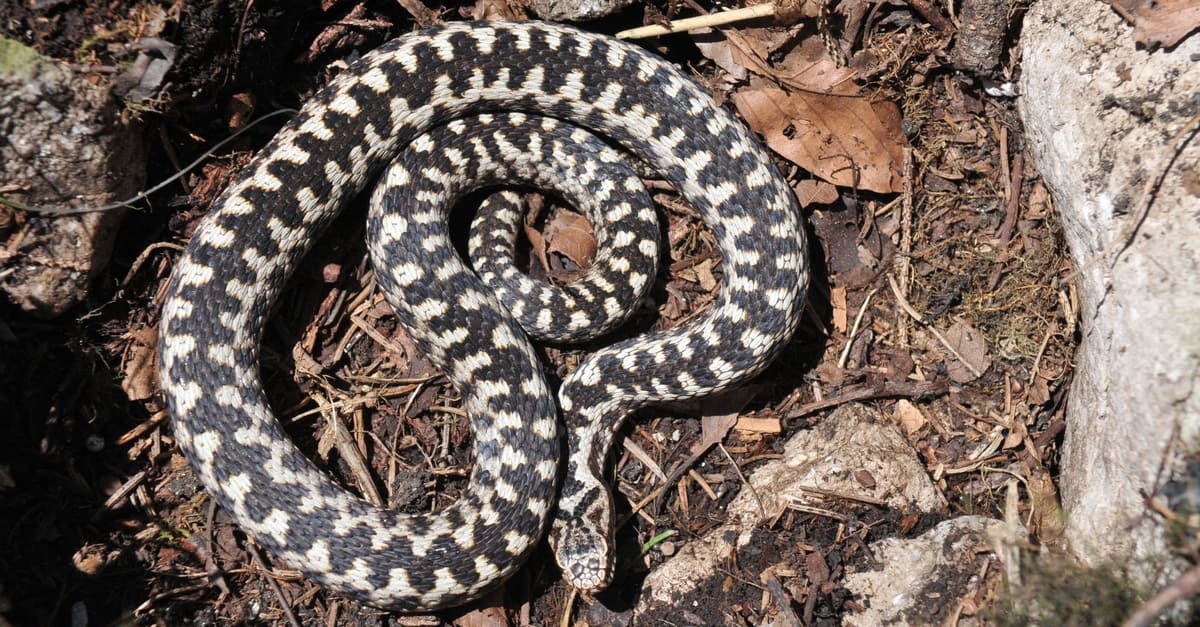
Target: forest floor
[[941, 300]]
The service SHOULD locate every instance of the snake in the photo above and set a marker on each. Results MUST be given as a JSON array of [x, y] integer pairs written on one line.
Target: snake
[[539, 456]]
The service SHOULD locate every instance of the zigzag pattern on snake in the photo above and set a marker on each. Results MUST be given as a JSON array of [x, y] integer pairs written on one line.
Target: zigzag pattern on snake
[[242, 254]]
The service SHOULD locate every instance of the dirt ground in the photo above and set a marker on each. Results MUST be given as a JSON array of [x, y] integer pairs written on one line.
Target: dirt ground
[[941, 299]]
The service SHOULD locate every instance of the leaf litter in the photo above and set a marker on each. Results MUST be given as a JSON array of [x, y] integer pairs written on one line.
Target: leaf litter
[[924, 221]]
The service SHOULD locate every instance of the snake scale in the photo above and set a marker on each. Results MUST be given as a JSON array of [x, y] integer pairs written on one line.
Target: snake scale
[[240, 257]]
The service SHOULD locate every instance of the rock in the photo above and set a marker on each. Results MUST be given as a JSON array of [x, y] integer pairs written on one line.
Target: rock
[[1104, 120], [920, 579], [830, 457], [576, 10], [66, 146]]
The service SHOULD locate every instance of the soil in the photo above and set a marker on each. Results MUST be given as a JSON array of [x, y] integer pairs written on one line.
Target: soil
[[103, 522]]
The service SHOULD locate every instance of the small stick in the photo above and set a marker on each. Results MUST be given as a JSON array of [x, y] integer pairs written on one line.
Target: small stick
[[703, 21], [283, 602], [1188, 585], [900, 300], [63, 211]]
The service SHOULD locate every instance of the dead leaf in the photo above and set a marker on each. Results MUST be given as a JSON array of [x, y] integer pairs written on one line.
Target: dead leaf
[[750, 48], [909, 416], [491, 615], [1048, 521], [570, 234], [717, 49], [817, 568], [812, 191], [701, 274], [830, 373], [1039, 392], [840, 317], [808, 67], [758, 425], [847, 141], [1160, 22], [141, 365], [713, 429], [968, 342]]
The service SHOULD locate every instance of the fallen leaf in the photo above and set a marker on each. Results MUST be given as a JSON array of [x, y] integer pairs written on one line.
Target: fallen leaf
[[831, 374], [490, 615], [847, 141], [1048, 521], [1039, 391], [716, 48], [817, 568], [808, 67], [141, 365], [713, 429], [812, 191], [701, 274], [570, 234], [968, 342], [909, 416], [758, 425], [840, 317], [1160, 22]]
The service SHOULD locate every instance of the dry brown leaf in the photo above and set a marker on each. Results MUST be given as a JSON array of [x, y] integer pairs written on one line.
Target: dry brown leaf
[[758, 425], [909, 416], [812, 191], [808, 67], [750, 48], [1039, 391], [816, 567], [704, 275], [570, 234], [1160, 22], [849, 142], [717, 49], [141, 365], [841, 317], [713, 429], [831, 374], [701, 274], [1048, 520], [968, 342]]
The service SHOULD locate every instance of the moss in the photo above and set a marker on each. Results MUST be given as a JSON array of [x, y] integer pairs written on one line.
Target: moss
[[1057, 591], [17, 60]]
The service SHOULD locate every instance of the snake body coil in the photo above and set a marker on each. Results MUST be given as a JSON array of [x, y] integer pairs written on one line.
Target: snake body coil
[[242, 254]]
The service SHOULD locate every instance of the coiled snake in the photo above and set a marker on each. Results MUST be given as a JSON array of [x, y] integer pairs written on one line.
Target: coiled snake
[[240, 257]]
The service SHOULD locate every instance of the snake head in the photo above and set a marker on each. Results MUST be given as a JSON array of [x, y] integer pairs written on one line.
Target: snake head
[[584, 554], [582, 534]]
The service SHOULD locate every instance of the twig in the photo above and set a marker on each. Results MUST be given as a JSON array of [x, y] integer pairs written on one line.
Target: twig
[[1187, 586], [888, 389], [762, 509], [904, 262], [862, 310], [1152, 185], [119, 495], [703, 21], [66, 211], [283, 602], [142, 428], [353, 457], [781, 599], [566, 615], [941, 338]]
